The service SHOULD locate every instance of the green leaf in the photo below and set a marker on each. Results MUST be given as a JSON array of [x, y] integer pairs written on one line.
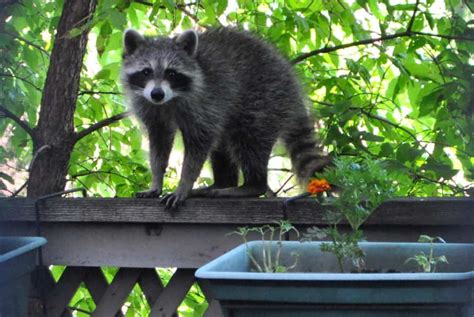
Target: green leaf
[[374, 8], [362, 3], [425, 239], [407, 153], [431, 101], [441, 170], [103, 74], [386, 150], [423, 70], [430, 20], [118, 19], [170, 5], [221, 6], [133, 17], [363, 135]]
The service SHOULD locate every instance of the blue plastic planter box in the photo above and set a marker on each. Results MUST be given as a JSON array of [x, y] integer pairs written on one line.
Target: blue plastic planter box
[[319, 291], [17, 260]]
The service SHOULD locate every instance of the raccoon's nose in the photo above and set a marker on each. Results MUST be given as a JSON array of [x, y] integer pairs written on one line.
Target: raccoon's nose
[[157, 94]]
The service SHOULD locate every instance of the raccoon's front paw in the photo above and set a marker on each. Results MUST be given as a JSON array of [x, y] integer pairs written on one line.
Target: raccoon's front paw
[[151, 193], [173, 200]]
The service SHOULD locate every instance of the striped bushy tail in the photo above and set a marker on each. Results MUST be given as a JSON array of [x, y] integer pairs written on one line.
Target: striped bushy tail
[[306, 153]]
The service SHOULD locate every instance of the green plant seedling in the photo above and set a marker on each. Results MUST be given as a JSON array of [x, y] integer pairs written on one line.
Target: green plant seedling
[[271, 262], [428, 263]]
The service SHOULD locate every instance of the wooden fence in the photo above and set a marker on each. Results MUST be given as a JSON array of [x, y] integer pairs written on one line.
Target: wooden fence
[[138, 235]]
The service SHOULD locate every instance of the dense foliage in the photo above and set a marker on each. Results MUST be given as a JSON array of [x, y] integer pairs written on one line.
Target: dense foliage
[[390, 79]]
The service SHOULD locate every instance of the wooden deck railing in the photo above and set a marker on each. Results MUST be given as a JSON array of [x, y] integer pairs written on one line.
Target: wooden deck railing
[[139, 235]]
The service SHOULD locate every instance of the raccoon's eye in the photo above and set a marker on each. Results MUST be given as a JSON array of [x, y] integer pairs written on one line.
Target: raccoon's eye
[[147, 71], [170, 73]]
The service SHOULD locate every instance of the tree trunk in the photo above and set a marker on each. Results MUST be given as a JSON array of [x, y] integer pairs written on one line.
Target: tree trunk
[[56, 126]]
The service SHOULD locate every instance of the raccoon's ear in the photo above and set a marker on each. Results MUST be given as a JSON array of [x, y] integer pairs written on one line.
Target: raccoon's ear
[[188, 41], [131, 40]]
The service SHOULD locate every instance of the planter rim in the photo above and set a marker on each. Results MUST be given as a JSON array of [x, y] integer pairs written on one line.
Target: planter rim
[[208, 271], [30, 243]]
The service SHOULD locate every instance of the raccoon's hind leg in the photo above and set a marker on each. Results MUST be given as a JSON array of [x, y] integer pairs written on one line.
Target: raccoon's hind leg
[[254, 162], [226, 173]]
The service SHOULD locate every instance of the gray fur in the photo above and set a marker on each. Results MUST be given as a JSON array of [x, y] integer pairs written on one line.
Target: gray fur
[[243, 97]]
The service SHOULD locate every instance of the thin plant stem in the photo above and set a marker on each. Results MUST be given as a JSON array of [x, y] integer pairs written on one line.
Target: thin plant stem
[[339, 258], [264, 252], [251, 257], [430, 260], [269, 252], [280, 246]]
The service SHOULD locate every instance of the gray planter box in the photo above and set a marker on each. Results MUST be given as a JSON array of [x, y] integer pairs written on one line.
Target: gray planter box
[[321, 292], [17, 261]]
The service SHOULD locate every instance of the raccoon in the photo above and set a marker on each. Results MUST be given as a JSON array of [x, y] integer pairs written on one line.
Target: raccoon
[[232, 96]]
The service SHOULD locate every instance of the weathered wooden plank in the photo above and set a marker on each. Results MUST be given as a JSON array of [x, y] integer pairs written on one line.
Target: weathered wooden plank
[[139, 210], [407, 211], [131, 245], [173, 294], [97, 285], [214, 309], [177, 245], [62, 293], [42, 284], [117, 292], [151, 285]]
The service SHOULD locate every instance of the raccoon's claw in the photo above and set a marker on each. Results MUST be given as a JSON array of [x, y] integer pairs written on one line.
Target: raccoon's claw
[[152, 193], [173, 200]]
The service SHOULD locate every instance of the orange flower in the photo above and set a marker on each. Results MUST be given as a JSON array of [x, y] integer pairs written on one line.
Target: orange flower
[[316, 186]]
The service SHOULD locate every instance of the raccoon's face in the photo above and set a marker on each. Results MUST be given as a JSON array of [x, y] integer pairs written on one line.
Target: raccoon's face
[[160, 69]]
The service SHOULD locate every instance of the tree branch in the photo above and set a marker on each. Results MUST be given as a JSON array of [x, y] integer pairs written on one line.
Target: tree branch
[[407, 33], [466, 3], [24, 125], [384, 120], [412, 20], [92, 92], [443, 36], [398, 126], [304, 56], [86, 312], [395, 125], [91, 172], [189, 14], [150, 4], [286, 170], [284, 184], [99, 125], [35, 156], [17, 37], [180, 7], [444, 182], [22, 79]]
